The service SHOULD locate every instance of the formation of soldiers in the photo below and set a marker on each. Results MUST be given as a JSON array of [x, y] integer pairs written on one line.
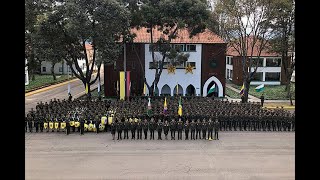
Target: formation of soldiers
[[201, 117]]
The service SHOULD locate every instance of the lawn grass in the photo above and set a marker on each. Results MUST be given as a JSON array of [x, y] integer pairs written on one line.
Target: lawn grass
[[42, 80], [276, 92], [232, 94]]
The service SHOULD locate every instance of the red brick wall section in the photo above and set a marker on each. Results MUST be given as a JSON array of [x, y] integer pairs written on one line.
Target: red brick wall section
[[237, 77], [133, 65], [217, 52]]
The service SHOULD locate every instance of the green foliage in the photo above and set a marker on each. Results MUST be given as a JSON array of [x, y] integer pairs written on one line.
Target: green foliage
[[276, 92], [73, 24], [232, 94], [42, 80]]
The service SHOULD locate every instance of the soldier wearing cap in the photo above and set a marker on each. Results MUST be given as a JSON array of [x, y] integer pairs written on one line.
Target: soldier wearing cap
[[180, 128], [126, 126], [145, 127], [113, 129], [139, 129], [216, 129], [210, 128], [198, 129], [166, 128], [159, 129], [173, 129], [119, 129], [186, 129], [152, 128], [133, 128], [193, 129]]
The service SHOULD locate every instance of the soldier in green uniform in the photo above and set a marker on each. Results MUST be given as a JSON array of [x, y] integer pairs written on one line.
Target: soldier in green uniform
[[152, 128], [216, 130], [204, 128], [210, 128], [180, 128], [193, 129], [173, 129], [145, 127], [119, 129], [126, 128], [133, 128], [113, 129], [41, 122], [198, 129], [159, 129], [139, 129], [166, 129], [186, 129]]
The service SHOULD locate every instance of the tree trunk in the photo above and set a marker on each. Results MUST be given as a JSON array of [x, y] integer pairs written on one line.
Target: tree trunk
[[52, 71], [246, 90], [289, 94], [89, 92], [32, 75]]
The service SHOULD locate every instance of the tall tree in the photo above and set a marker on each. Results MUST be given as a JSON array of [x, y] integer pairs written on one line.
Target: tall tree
[[284, 40], [246, 26], [79, 24], [34, 11], [167, 16]]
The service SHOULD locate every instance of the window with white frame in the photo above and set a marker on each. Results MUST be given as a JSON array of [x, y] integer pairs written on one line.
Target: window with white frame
[[273, 62], [191, 47], [44, 69], [258, 76], [272, 76]]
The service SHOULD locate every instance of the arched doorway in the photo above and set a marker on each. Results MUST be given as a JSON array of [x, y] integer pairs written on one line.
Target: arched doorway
[[191, 91], [180, 90], [165, 90], [215, 92], [219, 86]]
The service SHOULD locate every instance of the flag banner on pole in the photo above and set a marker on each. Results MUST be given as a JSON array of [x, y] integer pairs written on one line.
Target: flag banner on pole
[[149, 108], [177, 89], [259, 88], [144, 89], [242, 90], [69, 91], [87, 90], [130, 88], [122, 85], [212, 89], [128, 84], [165, 108], [180, 107], [99, 85]]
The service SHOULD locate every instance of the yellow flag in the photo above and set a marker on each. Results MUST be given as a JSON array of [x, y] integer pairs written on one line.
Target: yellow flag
[[144, 88], [180, 107], [177, 89], [87, 88]]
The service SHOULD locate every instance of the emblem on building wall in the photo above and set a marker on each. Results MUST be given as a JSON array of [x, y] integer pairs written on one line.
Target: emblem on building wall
[[189, 69], [171, 69]]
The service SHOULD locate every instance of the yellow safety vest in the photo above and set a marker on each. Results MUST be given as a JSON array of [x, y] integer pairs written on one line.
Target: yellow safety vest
[[63, 125], [51, 125], [76, 124], [56, 125]]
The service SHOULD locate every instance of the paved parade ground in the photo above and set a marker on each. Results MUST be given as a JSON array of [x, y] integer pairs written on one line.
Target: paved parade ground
[[237, 155]]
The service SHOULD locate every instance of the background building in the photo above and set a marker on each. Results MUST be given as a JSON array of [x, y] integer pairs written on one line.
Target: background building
[[269, 72], [207, 57]]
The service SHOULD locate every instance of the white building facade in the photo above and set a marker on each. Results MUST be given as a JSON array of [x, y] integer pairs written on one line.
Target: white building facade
[[168, 81], [268, 71]]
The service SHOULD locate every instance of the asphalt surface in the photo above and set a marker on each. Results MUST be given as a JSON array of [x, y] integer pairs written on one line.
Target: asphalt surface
[[237, 155], [76, 87]]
